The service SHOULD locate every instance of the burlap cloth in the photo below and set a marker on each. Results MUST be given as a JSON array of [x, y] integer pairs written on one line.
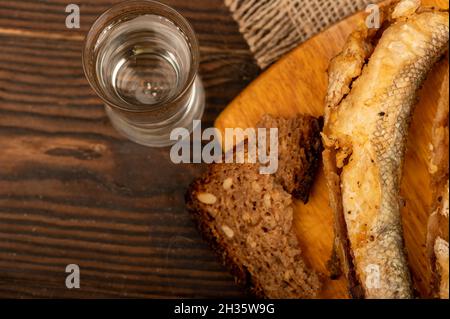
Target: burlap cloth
[[274, 27]]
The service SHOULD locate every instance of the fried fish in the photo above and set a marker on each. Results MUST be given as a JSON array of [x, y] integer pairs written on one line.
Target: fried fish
[[372, 92]]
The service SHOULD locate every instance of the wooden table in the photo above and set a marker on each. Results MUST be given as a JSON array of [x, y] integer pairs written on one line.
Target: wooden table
[[73, 191]]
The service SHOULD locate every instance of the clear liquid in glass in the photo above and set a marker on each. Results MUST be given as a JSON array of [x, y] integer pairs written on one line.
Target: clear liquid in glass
[[143, 62]]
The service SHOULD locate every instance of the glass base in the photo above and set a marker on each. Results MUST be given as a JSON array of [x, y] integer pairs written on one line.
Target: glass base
[[160, 137]]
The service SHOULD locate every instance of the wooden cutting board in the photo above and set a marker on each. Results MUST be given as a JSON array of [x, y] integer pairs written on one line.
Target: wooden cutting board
[[297, 84]]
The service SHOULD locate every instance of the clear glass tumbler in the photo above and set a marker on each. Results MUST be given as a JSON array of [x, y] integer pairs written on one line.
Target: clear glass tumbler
[[141, 58]]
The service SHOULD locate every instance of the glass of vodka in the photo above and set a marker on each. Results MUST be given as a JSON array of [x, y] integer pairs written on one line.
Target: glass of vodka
[[141, 57]]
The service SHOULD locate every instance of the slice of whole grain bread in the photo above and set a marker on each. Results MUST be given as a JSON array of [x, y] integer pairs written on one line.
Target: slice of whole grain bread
[[299, 148], [248, 218]]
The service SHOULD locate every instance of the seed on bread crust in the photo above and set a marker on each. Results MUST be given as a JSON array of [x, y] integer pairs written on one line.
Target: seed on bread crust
[[267, 200], [207, 198], [228, 231]]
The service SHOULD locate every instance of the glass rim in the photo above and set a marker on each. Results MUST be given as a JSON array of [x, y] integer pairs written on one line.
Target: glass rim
[[108, 17]]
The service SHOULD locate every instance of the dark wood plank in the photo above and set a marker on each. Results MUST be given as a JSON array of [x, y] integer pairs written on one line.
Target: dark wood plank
[[72, 190], [211, 19]]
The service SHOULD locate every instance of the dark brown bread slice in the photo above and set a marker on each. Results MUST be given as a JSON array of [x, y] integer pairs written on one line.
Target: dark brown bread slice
[[299, 150], [248, 220]]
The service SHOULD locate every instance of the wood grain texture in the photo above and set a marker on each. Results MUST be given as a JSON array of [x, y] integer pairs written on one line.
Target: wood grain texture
[[297, 84], [73, 191]]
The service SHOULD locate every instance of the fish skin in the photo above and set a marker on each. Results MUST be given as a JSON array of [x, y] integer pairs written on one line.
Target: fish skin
[[366, 131]]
